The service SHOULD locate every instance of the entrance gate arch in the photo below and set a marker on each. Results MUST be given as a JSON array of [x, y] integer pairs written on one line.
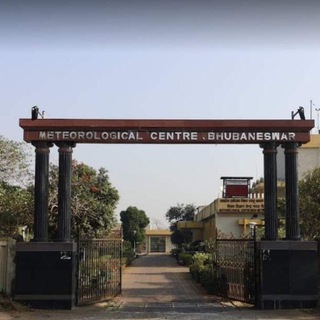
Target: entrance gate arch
[[67, 133]]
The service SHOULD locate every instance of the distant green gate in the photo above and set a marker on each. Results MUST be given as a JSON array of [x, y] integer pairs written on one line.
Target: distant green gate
[[99, 268]]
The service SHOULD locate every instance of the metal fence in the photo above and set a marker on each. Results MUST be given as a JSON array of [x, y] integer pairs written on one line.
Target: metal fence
[[236, 269], [99, 269]]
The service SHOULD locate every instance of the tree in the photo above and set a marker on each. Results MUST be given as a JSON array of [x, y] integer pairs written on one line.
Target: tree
[[15, 214], [281, 208], [16, 200], [93, 201], [309, 192], [14, 162], [180, 212], [134, 222]]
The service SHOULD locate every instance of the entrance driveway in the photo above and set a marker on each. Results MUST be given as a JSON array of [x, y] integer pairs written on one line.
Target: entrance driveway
[[158, 278], [156, 287]]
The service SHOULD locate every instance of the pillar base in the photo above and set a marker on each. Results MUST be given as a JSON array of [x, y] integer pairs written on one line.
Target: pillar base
[[288, 274], [46, 274]]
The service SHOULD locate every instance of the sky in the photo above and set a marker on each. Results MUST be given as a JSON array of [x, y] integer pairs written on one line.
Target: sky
[[160, 60]]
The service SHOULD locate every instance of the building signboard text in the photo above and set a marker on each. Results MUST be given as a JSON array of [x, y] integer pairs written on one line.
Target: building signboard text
[[240, 205], [134, 136]]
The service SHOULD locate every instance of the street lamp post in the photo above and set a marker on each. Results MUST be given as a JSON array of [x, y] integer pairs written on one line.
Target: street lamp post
[[134, 241], [318, 126]]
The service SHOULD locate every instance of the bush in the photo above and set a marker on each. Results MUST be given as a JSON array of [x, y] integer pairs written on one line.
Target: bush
[[185, 259], [128, 254], [203, 270], [197, 265]]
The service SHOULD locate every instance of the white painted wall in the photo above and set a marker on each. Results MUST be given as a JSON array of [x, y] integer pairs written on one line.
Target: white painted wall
[[228, 223], [169, 245], [308, 159], [7, 266]]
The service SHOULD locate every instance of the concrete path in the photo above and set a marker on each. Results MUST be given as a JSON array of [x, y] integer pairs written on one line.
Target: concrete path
[[155, 287], [158, 278]]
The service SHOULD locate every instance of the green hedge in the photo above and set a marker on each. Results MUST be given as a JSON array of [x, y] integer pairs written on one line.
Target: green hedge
[[203, 270]]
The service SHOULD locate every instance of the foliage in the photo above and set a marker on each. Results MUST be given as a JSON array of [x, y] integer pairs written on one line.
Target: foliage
[[185, 258], [260, 231], [134, 222], [281, 207], [210, 274], [211, 247], [93, 197], [180, 212], [309, 191], [200, 259], [16, 200], [128, 253], [15, 214], [222, 235], [197, 245], [14, 162], [93, 201], [203, 268]]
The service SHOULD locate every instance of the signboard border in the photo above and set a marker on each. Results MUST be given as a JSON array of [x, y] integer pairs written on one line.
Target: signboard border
[[168, 131]]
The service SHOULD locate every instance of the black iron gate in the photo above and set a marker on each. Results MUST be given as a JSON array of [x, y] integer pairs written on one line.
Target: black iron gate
[[99, 268], [236, 268]]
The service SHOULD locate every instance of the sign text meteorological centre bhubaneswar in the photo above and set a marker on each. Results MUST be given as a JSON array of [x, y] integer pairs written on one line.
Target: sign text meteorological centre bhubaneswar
[[165, 136]]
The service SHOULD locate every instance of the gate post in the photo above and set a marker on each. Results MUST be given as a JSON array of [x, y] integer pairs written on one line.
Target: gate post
[[64, 191], [45, 271], [292, 194], [270, 190], [288, 268], [41, 191]]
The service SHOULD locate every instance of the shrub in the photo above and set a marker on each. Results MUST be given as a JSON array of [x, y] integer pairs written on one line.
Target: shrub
[[185, 259], [203, 270], [197, 264], [128, 254]]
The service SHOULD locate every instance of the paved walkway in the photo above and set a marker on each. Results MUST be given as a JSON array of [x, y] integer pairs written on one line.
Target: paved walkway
[[155, 287], [158, 278]]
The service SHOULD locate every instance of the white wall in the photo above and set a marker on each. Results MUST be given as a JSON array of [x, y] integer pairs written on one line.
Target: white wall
[[308, 159], [281, 168], [169, 245], [228, 223], [7, 266]]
